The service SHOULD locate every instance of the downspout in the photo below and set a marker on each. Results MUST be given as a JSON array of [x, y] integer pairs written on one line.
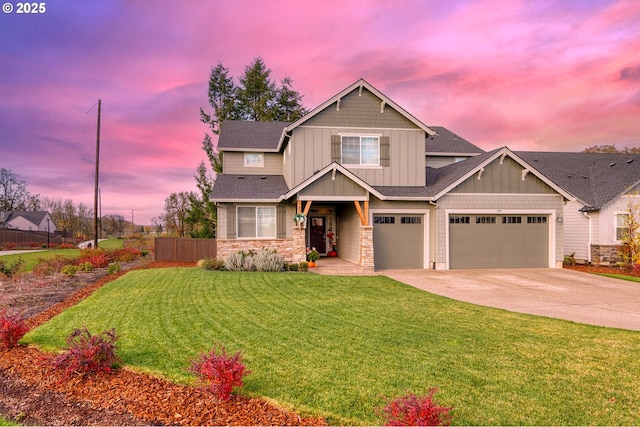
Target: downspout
[[589, 241]]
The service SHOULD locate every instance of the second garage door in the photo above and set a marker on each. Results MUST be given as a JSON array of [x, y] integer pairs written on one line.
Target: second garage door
[[398, 241], [498, 241]]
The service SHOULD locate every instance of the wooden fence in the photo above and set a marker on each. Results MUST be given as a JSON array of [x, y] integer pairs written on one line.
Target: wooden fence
[[20, 238], [183, 249]]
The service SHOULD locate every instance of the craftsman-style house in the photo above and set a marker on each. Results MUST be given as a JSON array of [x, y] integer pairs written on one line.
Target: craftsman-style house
[[361, 178]]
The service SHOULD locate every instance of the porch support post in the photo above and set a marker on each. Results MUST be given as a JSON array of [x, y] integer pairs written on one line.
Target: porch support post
[[299, 245], [366, 247], [299, 206]]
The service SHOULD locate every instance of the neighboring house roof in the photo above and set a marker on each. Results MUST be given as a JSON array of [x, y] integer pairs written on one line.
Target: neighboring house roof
[[445, 142], [258, 188], [594, 178], [34, 217], [245, 135]]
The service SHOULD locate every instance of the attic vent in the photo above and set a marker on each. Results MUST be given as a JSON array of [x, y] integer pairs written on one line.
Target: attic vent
[[263, 177], [241, 177], [612, 164], [569, 176], [630, 161]]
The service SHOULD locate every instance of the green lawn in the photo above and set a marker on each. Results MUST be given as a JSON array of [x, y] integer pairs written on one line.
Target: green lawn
[[335, 346], [31, 258], [6, 422], [621, 276]]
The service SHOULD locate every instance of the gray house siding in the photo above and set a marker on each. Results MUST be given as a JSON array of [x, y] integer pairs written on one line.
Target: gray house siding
[[504, 178], [339, 187], [348, 232], [363, 111], [233, 163], [311, 151]]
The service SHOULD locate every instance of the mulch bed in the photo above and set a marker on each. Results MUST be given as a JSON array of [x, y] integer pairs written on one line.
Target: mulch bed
[[31, 393], [603, 269]]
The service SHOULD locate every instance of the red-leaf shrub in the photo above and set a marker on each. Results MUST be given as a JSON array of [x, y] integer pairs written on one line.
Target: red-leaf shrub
[[221, 371], [411, 410], [66, 246], [87, 354], [97, 257], [12, 328], [127, 254]]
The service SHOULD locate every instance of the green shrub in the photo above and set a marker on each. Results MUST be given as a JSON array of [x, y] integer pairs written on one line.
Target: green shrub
[[69, 270], [304, 266], [240, 261], [210, 264], [85, 267], [293, 267], [266, 260], [11, 269], [113, 268]]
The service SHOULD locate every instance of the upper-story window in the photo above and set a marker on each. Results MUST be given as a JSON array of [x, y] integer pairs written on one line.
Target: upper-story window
[[361, 150], [254, 160], [622, 226]]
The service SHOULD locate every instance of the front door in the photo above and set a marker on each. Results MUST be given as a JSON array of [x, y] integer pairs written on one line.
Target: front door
[[317, 233]]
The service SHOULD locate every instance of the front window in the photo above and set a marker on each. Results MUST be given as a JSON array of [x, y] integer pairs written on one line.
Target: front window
[[255, 160], [621, 226], [361, 150], [256, 222]]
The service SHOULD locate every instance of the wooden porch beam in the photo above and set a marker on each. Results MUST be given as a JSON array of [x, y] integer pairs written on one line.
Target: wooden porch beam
[[363, 220], [307, 207], [366, 213], [299, 206]]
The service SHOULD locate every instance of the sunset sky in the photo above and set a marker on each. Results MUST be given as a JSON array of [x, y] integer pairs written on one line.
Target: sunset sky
[[531, 75]]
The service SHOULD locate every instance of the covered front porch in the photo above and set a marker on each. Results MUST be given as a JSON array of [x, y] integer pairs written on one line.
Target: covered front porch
[[339, 231]]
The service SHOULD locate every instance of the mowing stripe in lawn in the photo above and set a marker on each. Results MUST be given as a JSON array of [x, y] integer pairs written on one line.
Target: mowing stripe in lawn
[[336, 346]]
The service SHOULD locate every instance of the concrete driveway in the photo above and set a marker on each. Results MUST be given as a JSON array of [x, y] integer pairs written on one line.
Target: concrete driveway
[[558, 293]]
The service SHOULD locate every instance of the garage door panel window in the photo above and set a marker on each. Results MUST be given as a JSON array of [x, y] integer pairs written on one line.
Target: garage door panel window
[[256, 222], [411, 220], [536, 220], [384, 219], [512, 220], [454, 219], [485, 220]]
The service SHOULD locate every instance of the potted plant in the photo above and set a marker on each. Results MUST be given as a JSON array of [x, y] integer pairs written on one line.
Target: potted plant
[[300, 219], [312, 257]]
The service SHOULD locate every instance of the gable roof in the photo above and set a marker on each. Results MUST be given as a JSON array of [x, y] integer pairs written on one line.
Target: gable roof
[[594, 178], [444, 142], [245, 135], [34, 217], [331, 167], [441, 181], [359, 84]]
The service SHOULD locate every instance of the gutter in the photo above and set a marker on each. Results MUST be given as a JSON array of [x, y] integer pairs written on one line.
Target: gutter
[[589, 241]]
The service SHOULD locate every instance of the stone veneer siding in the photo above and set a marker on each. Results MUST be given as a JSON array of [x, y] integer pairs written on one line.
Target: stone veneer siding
[[285, 247], [366, 247], [605, 254], [291, 250]]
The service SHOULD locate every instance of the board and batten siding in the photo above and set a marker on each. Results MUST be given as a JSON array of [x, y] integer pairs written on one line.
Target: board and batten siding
[[311, 151], [327, 186], [362, 110], [504, 177], [233, 163], [348, 233]]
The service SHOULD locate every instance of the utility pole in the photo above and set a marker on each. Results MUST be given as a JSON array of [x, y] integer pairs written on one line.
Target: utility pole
[[95, 201]]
